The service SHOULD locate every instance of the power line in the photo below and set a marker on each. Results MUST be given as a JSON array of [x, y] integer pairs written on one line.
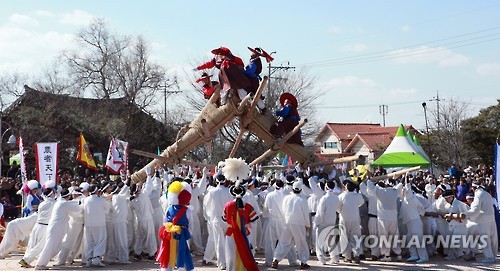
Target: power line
[[367, 105], [385, 57], [382, 55], [406, 47]]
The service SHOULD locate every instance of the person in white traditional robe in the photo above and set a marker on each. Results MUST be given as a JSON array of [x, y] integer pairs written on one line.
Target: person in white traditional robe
[[57, 228], [436, 210], [411, 213], [274, 205], [15, 231], [457, 223], [317, 191], [119, 203], [251, 199], [198, 189], [155, 196], [372, 218], [210, 250], [146, 235], [350, 221], [95, 210], [215, 201], [482, 212], [263, 233], [294, 233], [110, 254], [326, 216], [426, 220], [387, 214], [72, 243], [38, 236]]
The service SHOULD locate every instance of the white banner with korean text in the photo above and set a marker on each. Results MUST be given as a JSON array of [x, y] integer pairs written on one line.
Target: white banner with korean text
[[46, 162]]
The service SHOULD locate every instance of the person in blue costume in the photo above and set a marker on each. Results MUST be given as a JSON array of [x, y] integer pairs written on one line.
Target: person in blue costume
[[253, 70], [32, 188], [288, 118], [174, 234]]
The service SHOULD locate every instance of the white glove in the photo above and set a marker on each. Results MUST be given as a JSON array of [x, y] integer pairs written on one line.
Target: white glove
[[148, 171]]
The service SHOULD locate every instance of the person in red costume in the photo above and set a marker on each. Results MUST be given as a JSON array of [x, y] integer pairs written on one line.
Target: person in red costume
[[209, 87], [231, 74], [238, 216]]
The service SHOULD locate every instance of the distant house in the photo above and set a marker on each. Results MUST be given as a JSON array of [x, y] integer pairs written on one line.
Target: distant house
[[44, 117], [345, 139]]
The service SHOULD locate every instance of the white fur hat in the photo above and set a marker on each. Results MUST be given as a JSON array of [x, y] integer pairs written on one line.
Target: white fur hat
[[32, 184], [235, 169]]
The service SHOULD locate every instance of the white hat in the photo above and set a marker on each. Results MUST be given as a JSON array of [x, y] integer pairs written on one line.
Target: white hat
[[84, 186], [297, 186], [32, 184], [49, 184]]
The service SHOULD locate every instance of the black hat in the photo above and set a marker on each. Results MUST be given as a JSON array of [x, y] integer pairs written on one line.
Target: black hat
[[290, 179], [279, 183], [221, 178], [65, 193], [237, 191], [447, 193], [330, 185]]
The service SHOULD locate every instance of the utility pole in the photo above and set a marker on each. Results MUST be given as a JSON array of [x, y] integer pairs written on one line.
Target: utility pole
[[438, 109], [383, 109], [165, 92], [273, 69], [424, 105]]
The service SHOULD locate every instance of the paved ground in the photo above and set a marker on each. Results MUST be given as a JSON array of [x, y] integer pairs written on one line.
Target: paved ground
[[436, 263]]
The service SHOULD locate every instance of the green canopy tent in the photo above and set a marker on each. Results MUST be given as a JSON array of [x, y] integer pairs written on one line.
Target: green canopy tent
[[402, 152], [16, 158]]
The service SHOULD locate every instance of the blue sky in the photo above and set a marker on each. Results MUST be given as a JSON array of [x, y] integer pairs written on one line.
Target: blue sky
[[363, 53]]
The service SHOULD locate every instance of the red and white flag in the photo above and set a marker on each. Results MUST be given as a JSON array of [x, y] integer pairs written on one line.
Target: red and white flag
[[46, 161], [22, 163], [117, 159]]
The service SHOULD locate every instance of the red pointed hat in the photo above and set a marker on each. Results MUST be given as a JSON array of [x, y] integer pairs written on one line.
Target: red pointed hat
[[290, 97], [260, 52], [222, 51], [203, 76]]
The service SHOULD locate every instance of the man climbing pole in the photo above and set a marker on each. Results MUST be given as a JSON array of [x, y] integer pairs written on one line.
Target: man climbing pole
[[288, 118]]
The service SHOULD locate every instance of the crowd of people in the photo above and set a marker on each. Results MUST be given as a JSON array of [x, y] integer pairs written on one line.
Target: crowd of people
[[103, 221]]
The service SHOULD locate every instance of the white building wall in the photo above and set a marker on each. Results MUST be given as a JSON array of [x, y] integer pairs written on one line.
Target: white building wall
[[330, 138]]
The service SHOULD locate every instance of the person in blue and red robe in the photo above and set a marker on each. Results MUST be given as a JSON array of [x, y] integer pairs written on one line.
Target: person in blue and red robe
[[174, 234], [288, 118]]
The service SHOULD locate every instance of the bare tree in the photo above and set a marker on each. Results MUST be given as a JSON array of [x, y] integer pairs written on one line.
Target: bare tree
[[11, 87], [92, 65], [54, 79], [114, 66], [447, 140]]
